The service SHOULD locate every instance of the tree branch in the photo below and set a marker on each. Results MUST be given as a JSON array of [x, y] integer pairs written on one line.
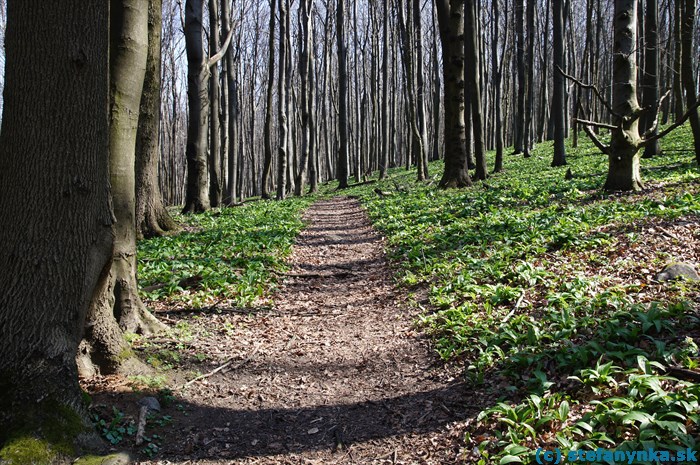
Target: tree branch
[[220, 54], [591, 135], [594, 124], [655, 125], [589, 86], [674, 126]]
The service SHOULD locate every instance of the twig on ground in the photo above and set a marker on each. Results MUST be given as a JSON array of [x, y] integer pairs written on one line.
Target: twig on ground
[[222, 367]]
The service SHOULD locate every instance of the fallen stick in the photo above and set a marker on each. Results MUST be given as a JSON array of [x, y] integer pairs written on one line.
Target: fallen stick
[[141, 430], [222, 367]]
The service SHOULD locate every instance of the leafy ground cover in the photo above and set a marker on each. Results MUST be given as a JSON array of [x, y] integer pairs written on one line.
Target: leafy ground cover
[[543, 289], [227, 256]]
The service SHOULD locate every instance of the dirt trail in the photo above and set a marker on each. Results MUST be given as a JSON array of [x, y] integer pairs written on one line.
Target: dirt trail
[[334, 374]]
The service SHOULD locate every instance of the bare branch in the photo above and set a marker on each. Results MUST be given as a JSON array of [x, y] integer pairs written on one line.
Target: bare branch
[[675, 125], [220, 54], [589, 86], [591, 135], [655, 124], [595, 124]]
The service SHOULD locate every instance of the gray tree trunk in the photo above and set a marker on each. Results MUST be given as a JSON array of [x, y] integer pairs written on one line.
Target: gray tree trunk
[[282, 104], [267, 129], [57, 186], [344, 155], [451, 21], [197, 192], [650, 76], [687, 72], [558, 98], [152, 219], [117, 307], [471, 33], [623, 169], [215, 181]]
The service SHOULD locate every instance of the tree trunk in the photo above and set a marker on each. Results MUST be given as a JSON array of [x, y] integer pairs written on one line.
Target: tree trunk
[[306, 69], [344, 156], [384, 156], [152, 219], [215, 181], [519, 123], [558, 99], [623, 169], [451, 20], [267, 129], [54, 186], [282, 104], [471, 32], [497, 78], [117, 306], [650, 76], [197, 193], [233, 111], [688, 75], [422, 139], [530, 77]]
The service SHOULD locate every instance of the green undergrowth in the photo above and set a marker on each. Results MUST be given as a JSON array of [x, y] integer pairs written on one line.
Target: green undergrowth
[[534, 285], [228, 255]]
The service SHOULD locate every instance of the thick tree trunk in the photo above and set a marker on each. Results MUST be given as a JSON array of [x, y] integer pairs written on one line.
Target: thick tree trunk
[[117, 306], [451, 20], [197, 193], [558, 99], [152, 219], [54, 193], [623, 170], [687, 72]]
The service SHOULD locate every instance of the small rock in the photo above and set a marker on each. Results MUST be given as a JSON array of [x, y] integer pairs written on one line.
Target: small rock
[[678, 270], [151, 403]]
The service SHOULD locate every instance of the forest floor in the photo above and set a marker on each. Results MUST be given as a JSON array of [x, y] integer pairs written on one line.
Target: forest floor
[[333, 371]]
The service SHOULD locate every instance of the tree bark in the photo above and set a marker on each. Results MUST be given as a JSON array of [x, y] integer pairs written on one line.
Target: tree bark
[[558, 99], [344, 156], [623, 168], [687, 72], [54, 189], [152, 219], [471, 32], [451, 21], [650, 76], [519, 122], [117, 307], [267, 129], [306, 71], [384, 156], [197, 193], [215, 180], [282, 104]]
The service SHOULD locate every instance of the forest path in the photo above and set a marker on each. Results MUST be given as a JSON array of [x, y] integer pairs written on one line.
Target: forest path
[[334, 374]]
